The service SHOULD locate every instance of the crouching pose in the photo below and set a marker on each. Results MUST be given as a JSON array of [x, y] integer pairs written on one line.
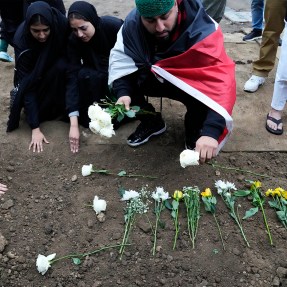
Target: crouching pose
[[173, 49]]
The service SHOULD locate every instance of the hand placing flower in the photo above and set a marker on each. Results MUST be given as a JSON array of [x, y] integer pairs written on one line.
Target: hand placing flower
[[43, 263], [99, 205], [189, 157], [160, 197]]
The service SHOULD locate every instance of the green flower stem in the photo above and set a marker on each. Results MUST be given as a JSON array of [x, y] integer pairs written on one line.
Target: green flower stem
[[219, 230], [239, 170], [158, 212], [128, 228], [176, 229], [107, 172], [86, 254], [282, 209], [265, 221], [241, 229]]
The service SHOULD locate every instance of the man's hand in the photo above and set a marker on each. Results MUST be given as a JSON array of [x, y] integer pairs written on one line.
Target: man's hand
[[37, 140], [126, 101], [207, 147]]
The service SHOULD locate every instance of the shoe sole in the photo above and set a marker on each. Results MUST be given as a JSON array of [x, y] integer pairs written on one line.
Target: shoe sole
[[253, 39], [253, 91], [146, 140]]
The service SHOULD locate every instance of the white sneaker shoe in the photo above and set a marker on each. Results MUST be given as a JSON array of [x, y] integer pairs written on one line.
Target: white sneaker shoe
[[253, 84]]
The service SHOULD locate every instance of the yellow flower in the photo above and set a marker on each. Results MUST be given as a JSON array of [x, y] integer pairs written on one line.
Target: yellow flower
[[178, 195], [269, 192], [277, 192], [206, 193], [284, 194], [256, 184], [279, 189]]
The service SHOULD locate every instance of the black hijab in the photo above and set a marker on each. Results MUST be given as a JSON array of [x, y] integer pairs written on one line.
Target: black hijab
[[42, 55], [87, 10]]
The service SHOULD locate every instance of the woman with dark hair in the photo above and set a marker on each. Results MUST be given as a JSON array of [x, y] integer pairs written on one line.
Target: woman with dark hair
[[40, 44], [88, 54]]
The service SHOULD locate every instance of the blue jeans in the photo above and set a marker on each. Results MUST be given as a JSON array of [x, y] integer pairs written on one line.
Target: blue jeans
[[257, 8]]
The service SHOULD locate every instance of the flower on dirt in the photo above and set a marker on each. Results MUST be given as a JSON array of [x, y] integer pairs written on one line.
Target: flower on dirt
[[256, 184], [129, 194], [43, 263], [178, 195], [87, 169], [99, 205], [189, 157], [206, 193], [224, 186], [160, 194], [101, 121]]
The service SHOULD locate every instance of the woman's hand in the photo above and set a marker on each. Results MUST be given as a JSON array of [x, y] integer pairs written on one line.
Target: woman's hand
[[37, 140], [74, 134]]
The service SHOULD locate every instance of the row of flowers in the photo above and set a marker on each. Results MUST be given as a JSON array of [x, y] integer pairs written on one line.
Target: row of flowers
[[138, 203]]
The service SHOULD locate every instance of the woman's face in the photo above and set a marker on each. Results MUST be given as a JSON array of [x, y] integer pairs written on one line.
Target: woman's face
[[40, 32], [82, 29]]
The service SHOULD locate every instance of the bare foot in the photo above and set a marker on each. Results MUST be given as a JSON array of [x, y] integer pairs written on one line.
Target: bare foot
[[276, 115]]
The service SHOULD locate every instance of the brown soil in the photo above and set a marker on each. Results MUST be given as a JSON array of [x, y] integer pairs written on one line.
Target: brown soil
[[45, 210]]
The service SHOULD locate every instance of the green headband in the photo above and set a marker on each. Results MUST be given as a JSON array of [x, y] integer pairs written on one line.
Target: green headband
[[153, 8]]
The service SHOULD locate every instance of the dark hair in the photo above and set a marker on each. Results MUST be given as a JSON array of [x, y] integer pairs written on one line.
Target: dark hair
[[38, 19], [75, 15]]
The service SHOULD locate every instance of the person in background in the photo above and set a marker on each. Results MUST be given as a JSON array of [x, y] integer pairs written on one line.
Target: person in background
[[12, 14], [257, 11], [214, 8], [173, 49], [274, 14], [40, 45], [88, 53], [274, 117], [3, 189]]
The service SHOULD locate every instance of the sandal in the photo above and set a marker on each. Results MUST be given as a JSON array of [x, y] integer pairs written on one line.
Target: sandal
[[275, 121]]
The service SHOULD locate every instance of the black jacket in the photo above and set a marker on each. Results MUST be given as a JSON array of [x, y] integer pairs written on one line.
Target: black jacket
[[33, 59]]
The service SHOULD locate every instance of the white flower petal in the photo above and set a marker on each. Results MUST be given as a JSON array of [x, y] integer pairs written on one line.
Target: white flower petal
[[129, 194], [189, 157], [99, 205], [43, 262], [87, 169], [93, 111]]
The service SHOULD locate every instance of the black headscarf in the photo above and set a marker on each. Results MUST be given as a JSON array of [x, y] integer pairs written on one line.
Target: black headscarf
[[33, 58], [87, 10]]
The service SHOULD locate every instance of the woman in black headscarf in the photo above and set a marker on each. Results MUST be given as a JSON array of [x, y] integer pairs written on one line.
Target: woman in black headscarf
[[88, 54], [40, 45]]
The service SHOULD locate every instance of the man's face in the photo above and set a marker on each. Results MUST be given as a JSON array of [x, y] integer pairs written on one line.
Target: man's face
[[161, 26]]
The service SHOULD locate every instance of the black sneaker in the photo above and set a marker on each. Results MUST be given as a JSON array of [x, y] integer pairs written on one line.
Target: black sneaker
[[253, 35], [145, 130]]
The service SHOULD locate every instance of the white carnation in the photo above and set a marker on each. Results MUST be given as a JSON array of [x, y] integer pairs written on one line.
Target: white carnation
[[108, 131], [189, 157], [43, 262], [87, 169], [129, 194], [93, 111], [99, 205]]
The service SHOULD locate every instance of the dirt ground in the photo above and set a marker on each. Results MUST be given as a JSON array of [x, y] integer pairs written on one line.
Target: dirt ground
[[46, 209]]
